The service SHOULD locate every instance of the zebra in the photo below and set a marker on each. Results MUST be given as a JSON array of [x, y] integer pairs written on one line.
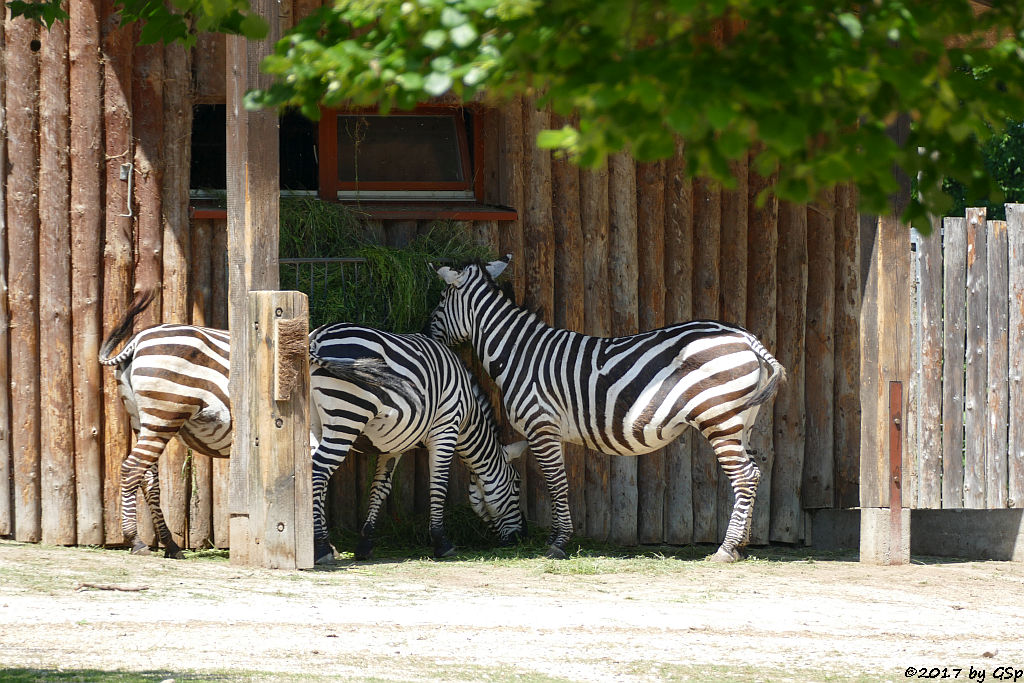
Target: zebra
[[621, 396], [419, 392], [173, 381]]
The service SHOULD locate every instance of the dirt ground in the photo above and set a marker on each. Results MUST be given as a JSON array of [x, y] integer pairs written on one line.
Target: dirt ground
[[780, 615]]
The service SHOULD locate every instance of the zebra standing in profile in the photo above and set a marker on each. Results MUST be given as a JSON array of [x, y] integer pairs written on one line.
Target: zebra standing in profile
[[621, 396], [173, 381], [399, 391]]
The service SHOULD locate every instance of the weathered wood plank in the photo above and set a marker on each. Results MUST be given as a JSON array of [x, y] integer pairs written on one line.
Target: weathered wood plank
[[707, 229], [57, 460], [538, 264], [6, 494], [1015, 446], [817, 489], [929, 435], [871, 436], [847, 340], [596, 321], [568, 296], [954, 349], [86, 202], [118, 250], [998, 399], [975, 398], [23, 271], [253, 224], [679, 308], [650, 191], [790, 420], [623, 277], [280, 469]]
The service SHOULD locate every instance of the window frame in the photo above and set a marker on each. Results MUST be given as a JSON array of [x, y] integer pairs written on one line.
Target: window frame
[[471, 153]]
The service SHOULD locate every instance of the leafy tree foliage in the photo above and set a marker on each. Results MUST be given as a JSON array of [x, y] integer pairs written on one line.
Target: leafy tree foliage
[[812, 87], [1004, 160]]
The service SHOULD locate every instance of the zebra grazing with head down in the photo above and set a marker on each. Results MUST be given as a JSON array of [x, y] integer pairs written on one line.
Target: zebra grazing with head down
[[418, 392], [173, 381], [621, 396]]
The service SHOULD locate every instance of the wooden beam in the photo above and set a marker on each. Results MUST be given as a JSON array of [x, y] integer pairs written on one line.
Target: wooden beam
[[975, 391], [6, 494], [929, 436], [954, 303], [200, 527], [253, 223], [57, 453], [87, 232], [679, 308], [1015, 447], [23, 270], [847, 350]]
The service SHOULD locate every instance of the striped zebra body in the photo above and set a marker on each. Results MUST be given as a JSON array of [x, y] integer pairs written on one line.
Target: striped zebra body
[[621, 396], [173, 381], [400, 391]]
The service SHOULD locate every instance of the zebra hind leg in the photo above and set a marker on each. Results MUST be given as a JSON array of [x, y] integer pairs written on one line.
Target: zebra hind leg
[[379, 491], [547, 449], [152, 491], [744, 476], [441, 450]]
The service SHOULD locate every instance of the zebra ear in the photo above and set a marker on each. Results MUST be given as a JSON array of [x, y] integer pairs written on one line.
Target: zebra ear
[[450, 277], [496, 268], [515, 450]]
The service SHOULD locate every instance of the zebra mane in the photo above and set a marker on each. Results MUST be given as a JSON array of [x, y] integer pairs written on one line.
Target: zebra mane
[[505, 288]]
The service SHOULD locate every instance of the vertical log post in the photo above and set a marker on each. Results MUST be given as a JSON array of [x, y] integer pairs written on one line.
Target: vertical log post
[[998, 400], [200, 517], [886, 362], [568, 297], [280, 472], [596, 322], [623, 278], [23, 270], [118, 249], [650, 224], [847, 386], [975, 395], [954, 304], [707, 238], [678, 517], [253, 225], [6, 519], [929, 411], [1015, 447], [57, 459], [219, 319], [790, 427], [87, 266]]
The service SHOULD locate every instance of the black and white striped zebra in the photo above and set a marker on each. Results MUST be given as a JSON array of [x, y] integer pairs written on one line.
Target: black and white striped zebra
[[419, 393], [621, 396], [173, 381]]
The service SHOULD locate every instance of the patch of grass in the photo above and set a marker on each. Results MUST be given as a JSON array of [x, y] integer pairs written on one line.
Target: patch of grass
[[745, 674]]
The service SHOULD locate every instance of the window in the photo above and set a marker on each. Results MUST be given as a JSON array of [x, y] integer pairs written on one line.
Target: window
[[420, 155]]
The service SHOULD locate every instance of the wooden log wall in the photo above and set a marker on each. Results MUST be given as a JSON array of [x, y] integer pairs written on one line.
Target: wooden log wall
[[609, 251]]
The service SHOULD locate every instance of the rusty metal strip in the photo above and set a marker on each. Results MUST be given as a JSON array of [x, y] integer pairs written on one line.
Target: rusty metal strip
[[895, 470]]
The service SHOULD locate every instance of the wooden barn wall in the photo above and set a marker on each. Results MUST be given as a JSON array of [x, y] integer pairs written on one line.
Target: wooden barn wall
[[94, 208]]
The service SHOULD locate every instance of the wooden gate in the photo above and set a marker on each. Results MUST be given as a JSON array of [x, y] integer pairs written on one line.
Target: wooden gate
[[965, 420]]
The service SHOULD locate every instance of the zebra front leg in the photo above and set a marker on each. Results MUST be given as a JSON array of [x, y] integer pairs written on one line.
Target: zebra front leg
[[744, 476], [379, 491], [440, 452], [547, 449], [152, 492], [327, 457]]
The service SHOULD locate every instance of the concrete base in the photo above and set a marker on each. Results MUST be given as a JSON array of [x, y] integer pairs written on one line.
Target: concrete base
[[969, 534], [876, 544], [972, 534]]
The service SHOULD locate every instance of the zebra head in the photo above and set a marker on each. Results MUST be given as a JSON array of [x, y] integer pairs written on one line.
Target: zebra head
[[497, 502], [452, 320]]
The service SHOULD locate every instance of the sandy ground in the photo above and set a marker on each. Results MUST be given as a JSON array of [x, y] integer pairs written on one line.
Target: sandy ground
[[791, 618]]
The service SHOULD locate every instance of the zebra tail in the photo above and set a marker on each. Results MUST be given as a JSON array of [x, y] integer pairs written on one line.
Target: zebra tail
[[124, 328], [366, 371], [776, 378]]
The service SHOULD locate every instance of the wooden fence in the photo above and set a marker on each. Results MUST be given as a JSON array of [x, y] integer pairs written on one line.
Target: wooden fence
[[966, 432], [608, 252]]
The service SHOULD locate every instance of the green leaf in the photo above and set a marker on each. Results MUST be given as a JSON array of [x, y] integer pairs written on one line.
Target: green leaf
[[410, 81], [851, 23], [437, 84], [463, 35], [435, 39]]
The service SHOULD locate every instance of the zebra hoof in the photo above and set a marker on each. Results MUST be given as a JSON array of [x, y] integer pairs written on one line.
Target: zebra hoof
[[140, 548], [175, 554], [443, 551], [555, 553], [364, 549], [726, 556], [323, 553]]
